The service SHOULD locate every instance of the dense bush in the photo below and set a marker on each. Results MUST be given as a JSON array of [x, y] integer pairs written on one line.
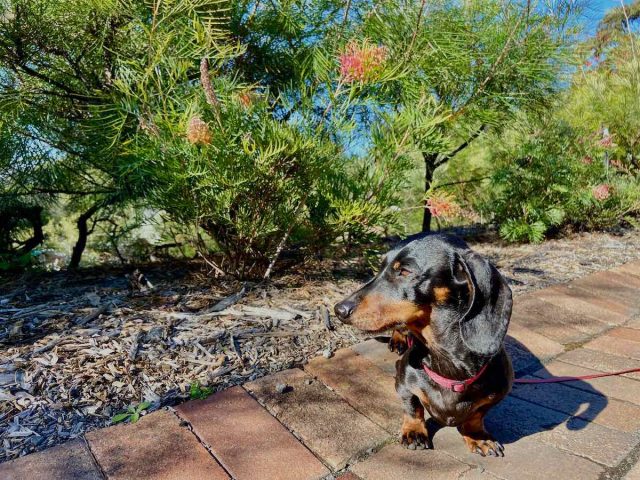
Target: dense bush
[[254, 126], [548, 178]]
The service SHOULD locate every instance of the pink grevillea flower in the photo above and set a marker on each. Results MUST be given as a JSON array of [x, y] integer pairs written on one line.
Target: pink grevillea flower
[[198, 132], [587, 160], [246, 98], [601, 192], [617, 164], [443, 206], [361, 63], [606, 142]]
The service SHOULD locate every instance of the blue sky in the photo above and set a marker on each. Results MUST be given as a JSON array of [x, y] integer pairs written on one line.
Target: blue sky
[[595, 10]]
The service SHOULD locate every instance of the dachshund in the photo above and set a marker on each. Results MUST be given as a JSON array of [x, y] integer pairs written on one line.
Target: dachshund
[[455, 308]]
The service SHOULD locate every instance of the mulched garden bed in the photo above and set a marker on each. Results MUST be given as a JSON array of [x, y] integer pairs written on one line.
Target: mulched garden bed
[[77, 349]]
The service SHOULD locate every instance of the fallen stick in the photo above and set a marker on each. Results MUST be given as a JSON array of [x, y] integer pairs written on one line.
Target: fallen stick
[[93, 315]]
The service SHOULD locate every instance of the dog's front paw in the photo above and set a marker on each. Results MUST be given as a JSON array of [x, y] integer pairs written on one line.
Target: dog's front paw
[[485, 447], [415, 435], [398, 342]]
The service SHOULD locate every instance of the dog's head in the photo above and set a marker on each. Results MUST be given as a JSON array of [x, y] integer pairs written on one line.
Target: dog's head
[[434, 284]]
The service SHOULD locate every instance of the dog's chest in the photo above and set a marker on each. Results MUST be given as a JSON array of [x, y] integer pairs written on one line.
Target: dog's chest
[[446, 407]]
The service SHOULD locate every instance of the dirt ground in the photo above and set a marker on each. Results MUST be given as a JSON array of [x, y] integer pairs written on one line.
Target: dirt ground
[[77, 349]]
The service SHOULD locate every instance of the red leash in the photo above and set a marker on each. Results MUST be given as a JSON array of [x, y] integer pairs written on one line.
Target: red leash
[[460, 386], [574, 379]]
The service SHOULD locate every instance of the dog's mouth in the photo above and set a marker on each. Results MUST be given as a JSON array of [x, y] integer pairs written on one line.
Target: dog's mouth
[[375, 313]]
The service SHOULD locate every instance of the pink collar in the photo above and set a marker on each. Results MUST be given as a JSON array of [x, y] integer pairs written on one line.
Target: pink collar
[[457, 386]]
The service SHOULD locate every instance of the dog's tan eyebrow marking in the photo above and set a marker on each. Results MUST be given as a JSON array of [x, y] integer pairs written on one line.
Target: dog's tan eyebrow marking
[[441, 294], [396, 265]]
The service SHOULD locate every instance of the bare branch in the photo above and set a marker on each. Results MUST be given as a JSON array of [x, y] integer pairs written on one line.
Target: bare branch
[[415, 31], [445, 158]]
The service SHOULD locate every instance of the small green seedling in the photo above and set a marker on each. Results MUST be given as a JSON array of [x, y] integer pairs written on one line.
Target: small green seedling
[[132, 413], [196, 392]]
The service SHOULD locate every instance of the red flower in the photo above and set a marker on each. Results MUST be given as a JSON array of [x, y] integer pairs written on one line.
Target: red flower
[[606, 142], [601, 192], [245, 98], [587, 160], [360, 63], [442, 206]]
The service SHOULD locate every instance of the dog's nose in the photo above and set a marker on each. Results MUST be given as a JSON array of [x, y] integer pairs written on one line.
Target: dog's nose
[[344, 309]]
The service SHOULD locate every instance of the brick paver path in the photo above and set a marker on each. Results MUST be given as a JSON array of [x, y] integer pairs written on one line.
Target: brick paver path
[[340, 417]]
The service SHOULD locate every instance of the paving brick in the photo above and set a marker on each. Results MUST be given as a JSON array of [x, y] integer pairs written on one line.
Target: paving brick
[[331, 428], [477, 474], [247, 440], [615, 387], [621, 289], [521, 360], [156, 447], [632, 268], [603, 298], [71, 460], [378, 353], [349, 476], [615, 346], [522, 459], [590, 406], [514, 419], [541, 347], [588, 306], [631, 281], [634, 473], [633, 323], [603, 362], [554, 322], [363, 385], [395, 462], [625, 333]]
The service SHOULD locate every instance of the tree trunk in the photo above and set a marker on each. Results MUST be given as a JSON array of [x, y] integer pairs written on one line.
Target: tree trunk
[[83, 232], [433, 161], [34, 216], [429, 169]]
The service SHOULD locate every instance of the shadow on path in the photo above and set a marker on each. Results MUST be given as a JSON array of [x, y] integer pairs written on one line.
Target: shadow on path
[[531, 409]]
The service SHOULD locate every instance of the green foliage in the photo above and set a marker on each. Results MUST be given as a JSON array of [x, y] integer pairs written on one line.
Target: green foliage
[[250, 126], [132, 414], [533, 183], [216, 157], [196, 392], [603, 102], [10, 262], [546, 178]]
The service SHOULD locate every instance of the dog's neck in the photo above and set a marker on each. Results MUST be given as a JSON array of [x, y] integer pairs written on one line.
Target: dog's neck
[[445, 354]]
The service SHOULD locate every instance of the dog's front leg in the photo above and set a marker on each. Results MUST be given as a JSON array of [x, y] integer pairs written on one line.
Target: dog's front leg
[[478, 440], [414, 429]]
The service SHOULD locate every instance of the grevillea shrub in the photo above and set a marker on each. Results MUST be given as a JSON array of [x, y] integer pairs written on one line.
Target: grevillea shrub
[[546, 177]]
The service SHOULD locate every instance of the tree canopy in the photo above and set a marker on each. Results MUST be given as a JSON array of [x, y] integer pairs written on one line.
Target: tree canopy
[[251, 124]]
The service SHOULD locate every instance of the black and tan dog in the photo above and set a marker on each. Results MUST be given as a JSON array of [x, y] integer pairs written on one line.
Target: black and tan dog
[[456, 307]]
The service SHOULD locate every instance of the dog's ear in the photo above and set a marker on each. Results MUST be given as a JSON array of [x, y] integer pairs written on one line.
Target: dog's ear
[[483, 325]]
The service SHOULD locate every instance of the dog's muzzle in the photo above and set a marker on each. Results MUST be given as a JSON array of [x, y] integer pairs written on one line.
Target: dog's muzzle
[[344, 310]]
